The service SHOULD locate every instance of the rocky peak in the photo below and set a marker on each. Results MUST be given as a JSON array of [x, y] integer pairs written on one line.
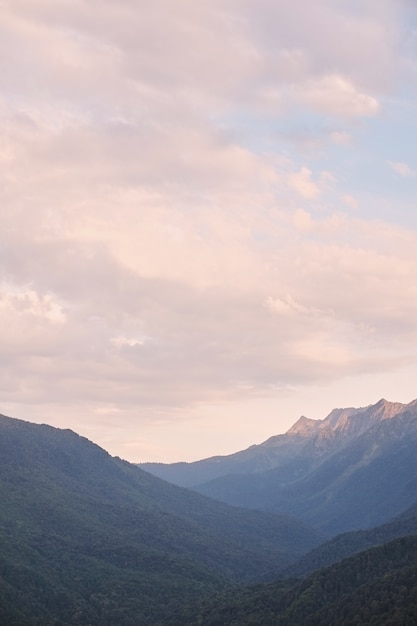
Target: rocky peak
[[338, 418], [304, 426], [352, 422], [384, 409]]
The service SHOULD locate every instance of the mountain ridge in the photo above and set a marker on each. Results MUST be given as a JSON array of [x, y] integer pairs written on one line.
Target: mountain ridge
[[322, 471], [359, 485], [278, 448]]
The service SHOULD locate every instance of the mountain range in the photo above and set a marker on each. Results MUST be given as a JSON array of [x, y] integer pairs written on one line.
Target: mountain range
[[89, 539], [357, 468]]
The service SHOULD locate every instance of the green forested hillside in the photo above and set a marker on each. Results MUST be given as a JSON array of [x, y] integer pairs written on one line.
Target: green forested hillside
[[377, 587], [89, 539]]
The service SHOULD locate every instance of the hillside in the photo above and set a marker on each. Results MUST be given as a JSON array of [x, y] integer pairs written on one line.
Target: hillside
[[377, 587], [347, 544], [90, 539]]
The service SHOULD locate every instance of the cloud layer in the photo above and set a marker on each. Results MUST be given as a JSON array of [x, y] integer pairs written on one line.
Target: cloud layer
[[184, 217]]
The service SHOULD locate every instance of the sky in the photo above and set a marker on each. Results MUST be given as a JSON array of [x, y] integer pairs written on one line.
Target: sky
[[208, 216]]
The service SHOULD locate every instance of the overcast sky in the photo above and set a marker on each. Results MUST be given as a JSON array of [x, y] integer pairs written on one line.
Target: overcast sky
[[208, 216]]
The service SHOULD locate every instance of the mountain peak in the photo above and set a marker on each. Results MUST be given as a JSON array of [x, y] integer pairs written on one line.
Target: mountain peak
[[353, 422], [304, 426], [385, 409], [338, 418]]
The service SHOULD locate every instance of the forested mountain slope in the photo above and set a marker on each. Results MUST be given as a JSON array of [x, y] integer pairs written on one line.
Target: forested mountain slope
[[347, 544], [90, 539], [377, 587]]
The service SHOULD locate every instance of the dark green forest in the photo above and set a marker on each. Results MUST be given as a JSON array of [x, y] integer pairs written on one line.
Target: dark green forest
[[377, 587], [347, 544]]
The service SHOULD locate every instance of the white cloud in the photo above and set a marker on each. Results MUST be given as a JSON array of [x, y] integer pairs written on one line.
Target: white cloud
[[303, 183], [337, 95], [287, 304], [27, 302], [404, 170]]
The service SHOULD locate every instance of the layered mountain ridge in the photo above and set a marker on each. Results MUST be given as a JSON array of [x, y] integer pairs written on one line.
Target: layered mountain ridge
[[354, 469], [340, 425], [88, 539]]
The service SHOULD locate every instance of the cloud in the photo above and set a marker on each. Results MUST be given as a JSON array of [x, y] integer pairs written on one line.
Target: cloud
[[302, 220], [161, 246], [341, 138], [404, 170], [118, 336], [303, 183], [287, 304], [337, 95], [350, 201]]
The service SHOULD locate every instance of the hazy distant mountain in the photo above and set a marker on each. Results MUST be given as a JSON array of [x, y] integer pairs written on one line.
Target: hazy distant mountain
[[90, 539], [355, 469], [272, 453]]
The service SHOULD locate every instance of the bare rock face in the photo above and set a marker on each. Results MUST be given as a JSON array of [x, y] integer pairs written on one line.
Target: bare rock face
[[305, 426], [318, 438], [357, 421]]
